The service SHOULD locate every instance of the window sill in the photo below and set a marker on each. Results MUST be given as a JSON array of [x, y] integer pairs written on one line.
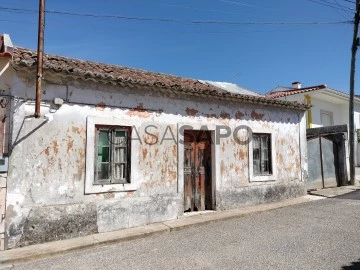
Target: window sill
[[262, 178], [92, 189]]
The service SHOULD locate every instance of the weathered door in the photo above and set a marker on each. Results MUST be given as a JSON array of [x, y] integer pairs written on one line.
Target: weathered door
[[322, 163], [197, 171], [315, 180], [329, 150]]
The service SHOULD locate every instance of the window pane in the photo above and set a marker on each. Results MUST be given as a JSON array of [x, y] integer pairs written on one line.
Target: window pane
[[103, 154], [256, 142], [120, 133], [326, 119], [256, 154], [103, 138], [256, 165], [264, 154], [119, 171], [265, 166], [103, 171], [120, 141], [264, 141], [119, 154], [103, 146], [120, 138]]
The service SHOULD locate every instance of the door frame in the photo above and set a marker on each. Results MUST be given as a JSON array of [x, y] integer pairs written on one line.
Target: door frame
[[336, 134], [215, 166]]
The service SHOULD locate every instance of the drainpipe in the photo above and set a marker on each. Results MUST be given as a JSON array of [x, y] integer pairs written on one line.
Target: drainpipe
[[309, 113], [300, 152], [39, 71]]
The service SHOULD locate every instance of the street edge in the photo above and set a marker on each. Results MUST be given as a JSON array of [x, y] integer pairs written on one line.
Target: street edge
[[41, 251]]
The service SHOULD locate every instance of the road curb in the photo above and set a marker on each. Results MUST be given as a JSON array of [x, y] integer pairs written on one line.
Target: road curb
[[40, 251], [203, 219], [34, 252]]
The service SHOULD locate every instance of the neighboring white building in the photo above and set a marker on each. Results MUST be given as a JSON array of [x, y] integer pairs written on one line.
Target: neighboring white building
[[329, 107]]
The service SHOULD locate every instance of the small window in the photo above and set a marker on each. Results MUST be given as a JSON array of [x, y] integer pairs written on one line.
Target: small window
[[112, 155], [327, 118], [262, 154]]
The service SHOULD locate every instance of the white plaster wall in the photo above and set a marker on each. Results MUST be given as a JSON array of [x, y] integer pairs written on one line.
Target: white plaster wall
[[340, 117], [340, 111], [318, 105], [47, 164]]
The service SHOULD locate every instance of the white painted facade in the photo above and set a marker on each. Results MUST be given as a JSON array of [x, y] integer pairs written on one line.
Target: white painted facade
[[329, 102], [50, 190]]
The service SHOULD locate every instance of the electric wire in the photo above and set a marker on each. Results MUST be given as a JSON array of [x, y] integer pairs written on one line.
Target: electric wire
[[169, 20], [331, 6]]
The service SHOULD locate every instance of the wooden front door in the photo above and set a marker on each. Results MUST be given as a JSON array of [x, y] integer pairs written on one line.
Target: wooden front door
[[197, 171]]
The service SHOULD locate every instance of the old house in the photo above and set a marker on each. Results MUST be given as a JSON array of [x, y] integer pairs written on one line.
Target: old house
[[117, 147]]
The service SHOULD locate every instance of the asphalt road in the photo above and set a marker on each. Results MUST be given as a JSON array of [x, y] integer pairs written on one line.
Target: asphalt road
[[355, 195], [322, 234]]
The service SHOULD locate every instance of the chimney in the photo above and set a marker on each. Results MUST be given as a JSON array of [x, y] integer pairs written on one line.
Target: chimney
[[296, 85], [6, 45]]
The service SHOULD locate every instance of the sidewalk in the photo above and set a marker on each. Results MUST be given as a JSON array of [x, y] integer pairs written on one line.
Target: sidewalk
[[33, 252], [334, 191]]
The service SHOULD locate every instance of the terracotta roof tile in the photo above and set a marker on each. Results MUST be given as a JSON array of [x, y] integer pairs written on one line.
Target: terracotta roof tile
[[290, 92], [119, 75]]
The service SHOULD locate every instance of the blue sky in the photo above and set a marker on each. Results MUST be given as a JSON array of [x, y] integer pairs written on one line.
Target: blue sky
[[258, 57]]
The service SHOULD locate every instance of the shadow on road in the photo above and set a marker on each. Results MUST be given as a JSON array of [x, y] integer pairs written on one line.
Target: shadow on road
[[353, 266], [354, 195]]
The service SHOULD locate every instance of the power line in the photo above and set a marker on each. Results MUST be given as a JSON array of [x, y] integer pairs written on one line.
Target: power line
[[336, 4], [340, 12], [168, 20], [350, 1], [191, 21], [331, 6], [240, 4]]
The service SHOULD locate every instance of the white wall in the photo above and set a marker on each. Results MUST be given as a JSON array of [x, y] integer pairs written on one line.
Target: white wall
[[340, 115], [319, 105], [47, 170]]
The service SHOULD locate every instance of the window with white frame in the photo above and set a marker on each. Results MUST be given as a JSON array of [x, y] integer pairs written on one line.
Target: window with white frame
[[327, 118], [261, 145], [112, 155]]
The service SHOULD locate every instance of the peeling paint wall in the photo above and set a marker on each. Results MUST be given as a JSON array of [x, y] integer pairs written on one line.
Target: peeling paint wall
[[46, 180]]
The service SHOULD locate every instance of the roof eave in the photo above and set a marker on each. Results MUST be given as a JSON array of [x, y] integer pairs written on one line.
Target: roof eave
[[170, 88]]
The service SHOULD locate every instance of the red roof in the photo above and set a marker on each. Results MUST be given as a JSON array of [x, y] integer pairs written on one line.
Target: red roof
[[114, 74], [290, 92]]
